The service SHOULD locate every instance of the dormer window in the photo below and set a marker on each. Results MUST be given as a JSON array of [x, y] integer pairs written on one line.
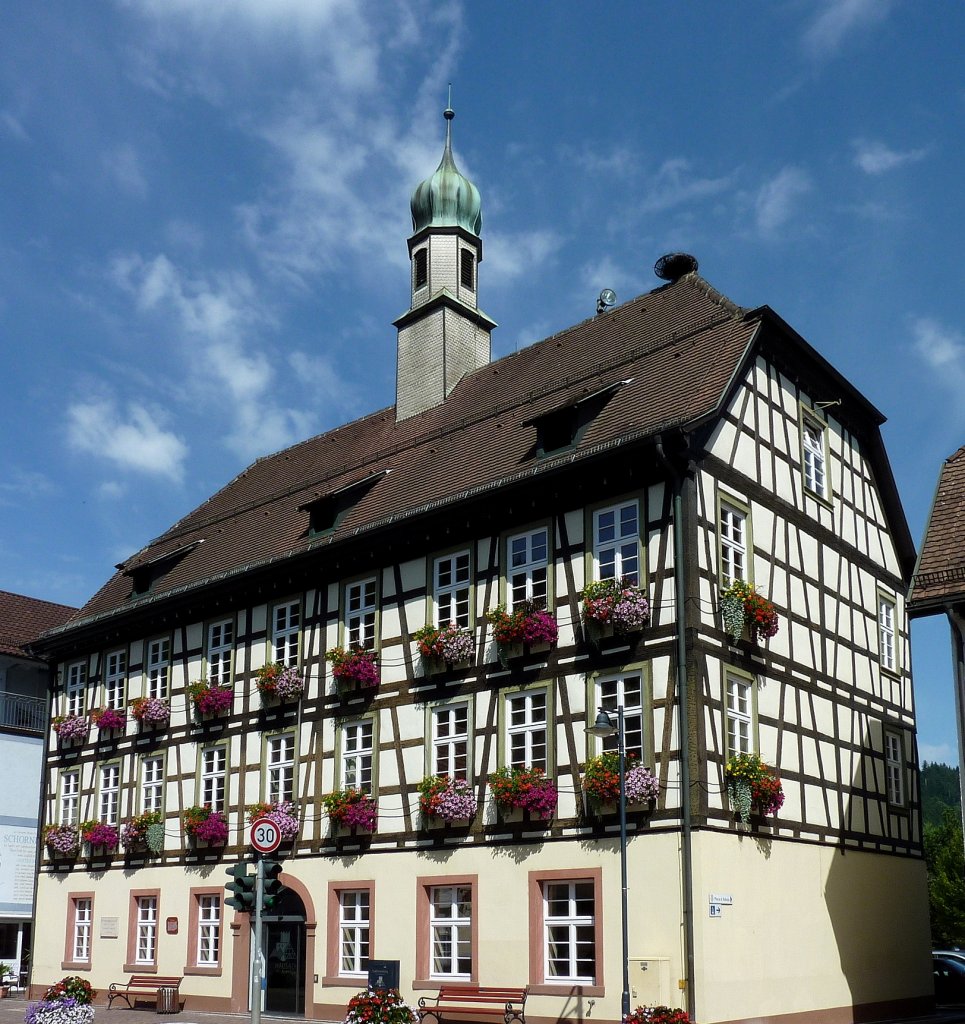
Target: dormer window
[[467, 269], [421, 267], [563, 427], [326, 513], [146, 574]]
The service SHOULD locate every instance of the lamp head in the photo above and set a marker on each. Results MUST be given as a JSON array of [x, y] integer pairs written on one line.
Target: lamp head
[[603, 726]]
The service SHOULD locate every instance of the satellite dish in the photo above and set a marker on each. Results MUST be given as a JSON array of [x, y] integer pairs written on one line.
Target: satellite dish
[[608, 298]]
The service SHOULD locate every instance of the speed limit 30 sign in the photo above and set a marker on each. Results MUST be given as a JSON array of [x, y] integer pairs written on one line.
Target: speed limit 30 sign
[[265, 835]]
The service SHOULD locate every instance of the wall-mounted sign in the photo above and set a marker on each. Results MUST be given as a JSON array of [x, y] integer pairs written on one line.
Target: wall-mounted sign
[[722, 899], [110, 928], [172, 925], [716, 910]]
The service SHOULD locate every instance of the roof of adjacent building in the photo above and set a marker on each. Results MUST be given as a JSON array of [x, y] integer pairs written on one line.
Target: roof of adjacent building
[[670, 358], [23, 619], [940, 574]]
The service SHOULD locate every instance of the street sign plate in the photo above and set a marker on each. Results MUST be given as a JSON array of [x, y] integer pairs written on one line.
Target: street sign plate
[[265, 835]]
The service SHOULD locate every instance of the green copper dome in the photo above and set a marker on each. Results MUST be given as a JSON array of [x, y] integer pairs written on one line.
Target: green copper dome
[[446, 198]]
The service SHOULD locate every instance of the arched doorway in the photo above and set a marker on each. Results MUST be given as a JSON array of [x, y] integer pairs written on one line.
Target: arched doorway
[[283, 947]]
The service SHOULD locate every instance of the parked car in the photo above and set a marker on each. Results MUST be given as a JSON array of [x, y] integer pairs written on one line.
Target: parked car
[[949, 978]]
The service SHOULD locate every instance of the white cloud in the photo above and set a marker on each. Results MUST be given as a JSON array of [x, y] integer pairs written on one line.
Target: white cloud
[[133, 439], [675, 184], [23, 484], [510, 255], [124, 165], [941, 753], [605, 273], [875, 157], [112, 490], [777, 199], [838, 19], [942, 349]]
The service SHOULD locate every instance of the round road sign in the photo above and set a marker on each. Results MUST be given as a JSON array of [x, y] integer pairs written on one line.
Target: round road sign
[[265, 835]]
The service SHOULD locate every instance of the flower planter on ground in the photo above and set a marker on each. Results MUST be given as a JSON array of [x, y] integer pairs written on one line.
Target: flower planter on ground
[[448, 800], [445, 647], [277, 682], [745, 612], [150, 712], [108, 719], [283, 813], [352, 809], [357, 667], [524, 789], [71, 729], [210, 700], [601, 781], [61, 840], [204, 826], [70, 1001], [526, 626], [614, 607], [752, 784], [383, 1006]]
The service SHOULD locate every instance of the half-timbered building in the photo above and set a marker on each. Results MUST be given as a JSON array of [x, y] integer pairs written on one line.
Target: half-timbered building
[[676, 445]]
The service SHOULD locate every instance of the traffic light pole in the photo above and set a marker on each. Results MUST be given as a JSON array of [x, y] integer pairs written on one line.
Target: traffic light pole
[[256, 965]]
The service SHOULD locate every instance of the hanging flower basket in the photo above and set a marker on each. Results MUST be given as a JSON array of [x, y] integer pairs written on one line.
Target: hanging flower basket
[[152, 711], [385, 1006], [278, 682], [450, 644], [107, 719], [742, 608], [352, 809], [209, 700], [526, 624], [447, 799], [618, 604], [526, 789], [71, 728], [63, 840], [97, 835], [144, 832], [751, 783], [601, 779], [204, 825], [356, 667], [284, 814]]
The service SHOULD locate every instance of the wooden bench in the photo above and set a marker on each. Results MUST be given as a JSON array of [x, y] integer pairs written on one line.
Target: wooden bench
[[141, 984], [472, 1002]]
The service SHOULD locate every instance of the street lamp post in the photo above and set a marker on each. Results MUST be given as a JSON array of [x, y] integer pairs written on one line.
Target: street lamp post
[[602, 728]]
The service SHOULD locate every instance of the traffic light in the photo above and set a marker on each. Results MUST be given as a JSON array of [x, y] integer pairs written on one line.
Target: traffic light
[[272, 887], [242, 888]]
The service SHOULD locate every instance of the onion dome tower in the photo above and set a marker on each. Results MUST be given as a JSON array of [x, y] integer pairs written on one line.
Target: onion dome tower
[[443, 335]]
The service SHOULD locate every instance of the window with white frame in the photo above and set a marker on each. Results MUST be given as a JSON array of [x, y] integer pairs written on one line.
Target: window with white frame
[[70, 798], [732, 529], [110, 793], [221, 640], [286, 623], [209, 930], [569, 944], [75, 687], [450, 585], [526, 729], [450, 741], [616, 543], [357, 752], [115, 679], [527, 557], [740, 709], [213, 760], [895, 768], [813, 455], [146, 947], [625, 689], [450, 931], [886, 633], [354, 931], [83, 925], [152, 783], [158, 667], [281, 767], [360, 609]]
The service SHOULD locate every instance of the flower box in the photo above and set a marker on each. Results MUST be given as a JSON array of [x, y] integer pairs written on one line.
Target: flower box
[[150, 712], [525, 627], [144, 832], [61, 840], [355, 667], [601, 780], [278, 682], [745, 612], [283, 813], [204, 826], [618, 606], [525, 789], [108, 719], [71, 728], [210, 700], [99, 837], [751, 784], [352, 809], [444, 647], [446, 799], [657, 1015]]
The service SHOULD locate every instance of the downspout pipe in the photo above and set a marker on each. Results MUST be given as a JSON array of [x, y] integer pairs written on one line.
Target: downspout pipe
[[957, 624], [683, 702]]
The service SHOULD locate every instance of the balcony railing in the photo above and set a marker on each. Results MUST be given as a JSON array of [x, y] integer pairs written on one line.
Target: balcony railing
[[20, 712]]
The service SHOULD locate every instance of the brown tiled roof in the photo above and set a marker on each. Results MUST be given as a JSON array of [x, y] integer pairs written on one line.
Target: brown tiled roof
[[940, 573], [23, 619], [676, 349]]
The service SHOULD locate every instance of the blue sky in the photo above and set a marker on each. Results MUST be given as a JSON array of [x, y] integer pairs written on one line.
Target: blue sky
[[205, 205]]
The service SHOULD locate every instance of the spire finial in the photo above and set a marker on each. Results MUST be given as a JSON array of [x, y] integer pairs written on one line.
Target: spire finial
[[449, 113]]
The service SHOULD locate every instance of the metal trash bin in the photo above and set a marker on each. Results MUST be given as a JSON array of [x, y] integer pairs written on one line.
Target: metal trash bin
[[167, 999]]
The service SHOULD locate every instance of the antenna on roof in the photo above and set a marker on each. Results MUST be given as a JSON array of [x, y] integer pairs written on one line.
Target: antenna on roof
[[608, 298], [674, 265]]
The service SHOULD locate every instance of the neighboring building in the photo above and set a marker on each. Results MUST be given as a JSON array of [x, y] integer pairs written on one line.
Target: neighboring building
[[24, 722], [939, 581], [678, 442]]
